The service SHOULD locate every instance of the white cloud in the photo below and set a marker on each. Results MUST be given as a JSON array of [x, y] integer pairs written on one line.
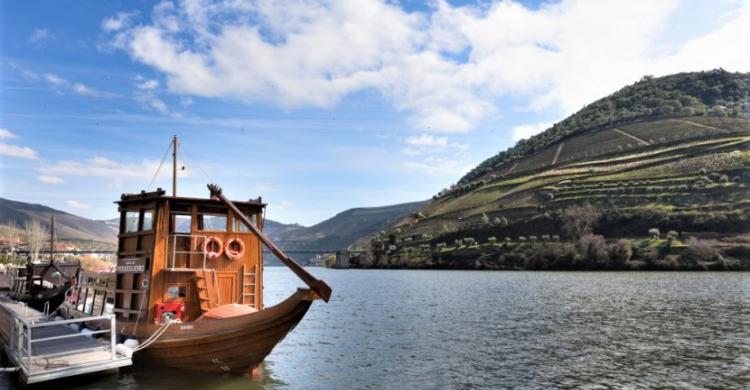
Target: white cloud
[[449, 68], [151, 101], [17, 151], [78, 88], [427, 140], [50, 179], [74, 204], [104, 168], [148, 85], [6, 134], [117, 22], [56, 80], [525, 131], [39, 35]]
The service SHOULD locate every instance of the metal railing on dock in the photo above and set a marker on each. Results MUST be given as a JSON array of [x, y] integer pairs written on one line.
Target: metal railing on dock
[[32, 341]]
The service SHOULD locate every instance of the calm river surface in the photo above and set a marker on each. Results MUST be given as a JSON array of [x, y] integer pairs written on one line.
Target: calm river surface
[[453, 329]]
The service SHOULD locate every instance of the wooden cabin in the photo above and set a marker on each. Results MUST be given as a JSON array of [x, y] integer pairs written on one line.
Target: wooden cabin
[[172, 259]]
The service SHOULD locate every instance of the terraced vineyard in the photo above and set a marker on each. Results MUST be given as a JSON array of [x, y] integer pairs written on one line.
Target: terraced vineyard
[[688, 174]]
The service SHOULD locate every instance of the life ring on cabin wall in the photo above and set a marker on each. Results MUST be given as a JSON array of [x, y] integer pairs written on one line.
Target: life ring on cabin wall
[[213, 247], [234, 248]]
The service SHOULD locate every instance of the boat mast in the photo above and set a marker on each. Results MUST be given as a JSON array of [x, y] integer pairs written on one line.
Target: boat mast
[[174, 165]]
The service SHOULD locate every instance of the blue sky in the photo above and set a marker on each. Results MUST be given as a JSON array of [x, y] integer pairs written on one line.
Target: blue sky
[[318, 106]]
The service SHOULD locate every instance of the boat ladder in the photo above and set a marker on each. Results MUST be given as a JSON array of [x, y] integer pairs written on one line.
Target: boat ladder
[[248, 288], [207, 289]]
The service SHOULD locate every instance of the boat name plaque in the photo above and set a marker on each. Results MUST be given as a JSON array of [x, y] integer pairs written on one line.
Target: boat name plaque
[[136, 265]]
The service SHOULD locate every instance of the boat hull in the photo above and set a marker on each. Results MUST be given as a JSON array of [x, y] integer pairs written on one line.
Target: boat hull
[[236, 344]]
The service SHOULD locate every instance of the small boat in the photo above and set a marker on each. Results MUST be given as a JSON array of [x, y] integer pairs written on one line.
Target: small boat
[[42, 286], [188, 285]]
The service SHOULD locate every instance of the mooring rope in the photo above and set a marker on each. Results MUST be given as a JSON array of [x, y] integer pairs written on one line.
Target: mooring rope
[[159, 332]]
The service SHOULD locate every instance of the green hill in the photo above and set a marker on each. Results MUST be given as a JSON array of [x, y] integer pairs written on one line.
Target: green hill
[[668, 153]]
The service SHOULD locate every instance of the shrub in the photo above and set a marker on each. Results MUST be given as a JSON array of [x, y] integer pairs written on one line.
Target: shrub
[[532, 238], [593, 248], [485, 219], [545, 237], [622, 250], [555, 237], [521, 238], [700, 250], [654, 233], [672, 235]]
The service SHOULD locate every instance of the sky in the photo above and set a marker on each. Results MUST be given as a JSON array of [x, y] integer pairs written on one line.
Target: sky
[[317, 106]]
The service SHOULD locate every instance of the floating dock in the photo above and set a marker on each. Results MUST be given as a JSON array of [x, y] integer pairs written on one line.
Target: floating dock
[[41, 349]]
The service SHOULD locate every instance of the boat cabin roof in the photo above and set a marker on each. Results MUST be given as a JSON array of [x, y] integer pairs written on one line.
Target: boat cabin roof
[[160, 194]]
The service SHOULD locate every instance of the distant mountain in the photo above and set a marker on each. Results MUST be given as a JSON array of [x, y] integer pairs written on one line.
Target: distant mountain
[[67, 226], [340, 231], [277, 231]]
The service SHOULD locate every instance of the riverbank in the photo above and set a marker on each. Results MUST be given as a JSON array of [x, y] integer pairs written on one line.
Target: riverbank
[[590, 252]]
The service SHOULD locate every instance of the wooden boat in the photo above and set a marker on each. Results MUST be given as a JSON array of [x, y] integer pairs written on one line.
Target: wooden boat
[[189, 283]]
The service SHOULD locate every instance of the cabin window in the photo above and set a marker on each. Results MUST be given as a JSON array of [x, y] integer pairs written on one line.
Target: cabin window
[[181, 223], [131, 221], [148, 220], [239, 226], [176, 291], [212, 222]]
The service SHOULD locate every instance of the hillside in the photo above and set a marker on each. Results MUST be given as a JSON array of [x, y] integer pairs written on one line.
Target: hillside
[[67, 226], [339, 231], [651, 164]]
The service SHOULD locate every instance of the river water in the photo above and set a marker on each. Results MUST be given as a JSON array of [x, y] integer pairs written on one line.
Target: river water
[[453, 329]]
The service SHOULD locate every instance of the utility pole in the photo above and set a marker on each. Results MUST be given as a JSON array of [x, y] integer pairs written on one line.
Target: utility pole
[[52, 240], [174, 165]]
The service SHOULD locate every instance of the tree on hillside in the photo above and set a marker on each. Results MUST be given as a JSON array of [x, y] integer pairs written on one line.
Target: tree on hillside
[[35, 236], [580, 220]]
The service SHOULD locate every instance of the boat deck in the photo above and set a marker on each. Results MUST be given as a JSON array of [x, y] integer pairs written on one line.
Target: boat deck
[[53, 349]]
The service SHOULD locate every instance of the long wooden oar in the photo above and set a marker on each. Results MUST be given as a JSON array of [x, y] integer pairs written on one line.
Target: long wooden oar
[[320, 287]]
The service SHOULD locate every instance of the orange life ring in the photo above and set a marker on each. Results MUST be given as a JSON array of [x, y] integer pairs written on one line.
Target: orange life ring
[[213, 247], [231, 252]]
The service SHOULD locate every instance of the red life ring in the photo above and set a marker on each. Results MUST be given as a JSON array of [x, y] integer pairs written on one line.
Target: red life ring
[[232, 252], [213, 247]]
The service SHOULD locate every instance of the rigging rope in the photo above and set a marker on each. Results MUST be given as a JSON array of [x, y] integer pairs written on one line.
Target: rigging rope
[[166, 153], [196, 164]]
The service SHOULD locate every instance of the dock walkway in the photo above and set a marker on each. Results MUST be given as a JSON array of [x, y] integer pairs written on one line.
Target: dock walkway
[[45, 349]]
